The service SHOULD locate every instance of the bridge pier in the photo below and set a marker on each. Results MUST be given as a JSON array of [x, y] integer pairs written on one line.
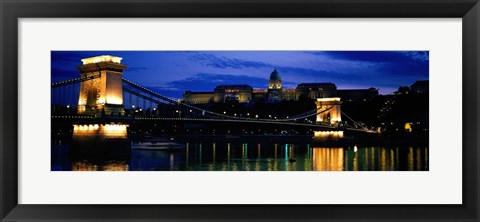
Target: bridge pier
[[329, 111], [104, 93], [100, 141]]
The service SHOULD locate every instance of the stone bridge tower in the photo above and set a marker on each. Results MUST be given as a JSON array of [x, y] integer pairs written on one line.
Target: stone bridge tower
[[333, 115], [103, 93]]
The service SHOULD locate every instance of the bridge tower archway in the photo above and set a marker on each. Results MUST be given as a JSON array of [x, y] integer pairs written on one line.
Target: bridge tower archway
[[329, 110], [103, 92]]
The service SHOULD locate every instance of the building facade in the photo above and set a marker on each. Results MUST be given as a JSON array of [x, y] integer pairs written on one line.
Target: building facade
[[198, 97], [276, 93], [240, 93]]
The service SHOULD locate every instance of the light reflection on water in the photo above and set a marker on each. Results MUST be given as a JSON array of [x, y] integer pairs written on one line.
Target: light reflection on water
[[105, 166], [105, 131], [254, 157]]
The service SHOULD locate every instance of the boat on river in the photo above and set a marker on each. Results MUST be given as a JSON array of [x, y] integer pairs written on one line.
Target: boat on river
[[165, 144]]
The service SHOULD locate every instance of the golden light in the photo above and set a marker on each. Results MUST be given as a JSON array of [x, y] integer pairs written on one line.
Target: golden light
[[111, 131], [114, 100], [329, 110], [102, 58], [86, 166], [408, 127], [114, 130], [323, 134], [83, 128], [335, 119], [115, 167], [328, 159], [101, 101], [328, 99]]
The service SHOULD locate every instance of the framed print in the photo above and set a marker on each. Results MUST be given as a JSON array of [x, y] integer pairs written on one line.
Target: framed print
[[278, 110]]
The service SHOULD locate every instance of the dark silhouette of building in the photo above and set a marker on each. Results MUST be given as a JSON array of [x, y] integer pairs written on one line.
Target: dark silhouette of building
[[357, 95], [420, 86]]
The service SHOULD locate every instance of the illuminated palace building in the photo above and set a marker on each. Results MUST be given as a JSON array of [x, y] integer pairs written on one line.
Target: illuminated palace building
[[245, 94]]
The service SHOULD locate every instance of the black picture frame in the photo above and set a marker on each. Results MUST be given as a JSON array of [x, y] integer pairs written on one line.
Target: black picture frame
[[11, 11]]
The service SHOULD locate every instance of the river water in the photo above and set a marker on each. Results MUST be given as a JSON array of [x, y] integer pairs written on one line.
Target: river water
[[238, 156]]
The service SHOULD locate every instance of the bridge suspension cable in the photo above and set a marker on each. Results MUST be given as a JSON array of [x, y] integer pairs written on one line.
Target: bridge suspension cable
[[158, 98], [363, 127], [165, 98], [170, 100], [75, 80], [309, 113], [142, 96]]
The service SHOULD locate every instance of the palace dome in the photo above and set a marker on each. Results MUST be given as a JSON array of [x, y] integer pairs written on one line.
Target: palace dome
[[275, 75], [275, 81]]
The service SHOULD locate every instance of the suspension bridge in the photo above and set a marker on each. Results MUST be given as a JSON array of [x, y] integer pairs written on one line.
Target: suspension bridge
[[101, 93]]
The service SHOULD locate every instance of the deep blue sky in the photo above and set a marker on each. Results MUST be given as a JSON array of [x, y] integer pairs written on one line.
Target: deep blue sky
[[173, 72]]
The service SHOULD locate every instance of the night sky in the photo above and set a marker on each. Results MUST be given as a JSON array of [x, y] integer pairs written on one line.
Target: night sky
[[173, 72]]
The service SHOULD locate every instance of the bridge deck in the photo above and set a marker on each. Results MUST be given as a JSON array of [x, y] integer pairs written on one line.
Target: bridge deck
[[278, 122]]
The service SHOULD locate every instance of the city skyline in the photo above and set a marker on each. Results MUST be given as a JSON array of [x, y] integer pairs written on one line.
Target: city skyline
[[174, 72], [109, 119]]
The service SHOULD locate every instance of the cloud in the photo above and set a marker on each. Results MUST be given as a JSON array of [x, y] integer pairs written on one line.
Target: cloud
[[313, 75], [177, 71], [223, 62], [376, 56], [202, 81], [384, 78], [422, 56], [384, 68]]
